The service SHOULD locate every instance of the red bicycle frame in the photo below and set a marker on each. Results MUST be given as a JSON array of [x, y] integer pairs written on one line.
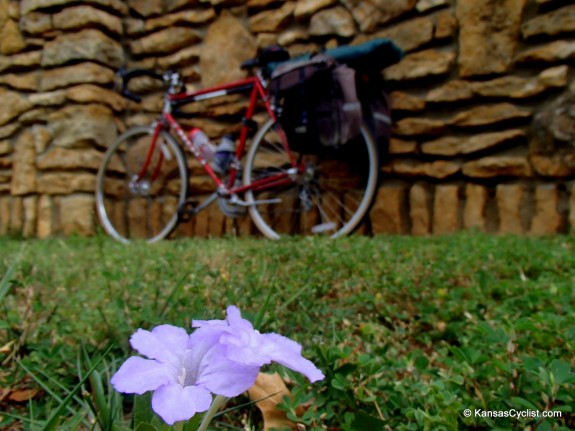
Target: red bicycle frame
[[257, 90]]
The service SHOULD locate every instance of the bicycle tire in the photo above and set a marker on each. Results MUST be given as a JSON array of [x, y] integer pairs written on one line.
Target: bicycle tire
[[149, 210], [332, 195]]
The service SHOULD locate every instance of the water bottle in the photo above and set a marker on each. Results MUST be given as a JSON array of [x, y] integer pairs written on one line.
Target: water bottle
[[202, 143], [225, 155]]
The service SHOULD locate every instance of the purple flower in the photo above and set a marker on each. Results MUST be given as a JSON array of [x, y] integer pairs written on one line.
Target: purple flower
[[183, 371], [221, 357], [245, 345]]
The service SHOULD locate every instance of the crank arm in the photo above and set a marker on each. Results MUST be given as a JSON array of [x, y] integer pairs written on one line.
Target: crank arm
[[237, 201]]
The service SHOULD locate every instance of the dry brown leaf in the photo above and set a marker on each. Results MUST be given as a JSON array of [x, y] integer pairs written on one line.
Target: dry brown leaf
[[6, 348], [270, 389], [22, 395]]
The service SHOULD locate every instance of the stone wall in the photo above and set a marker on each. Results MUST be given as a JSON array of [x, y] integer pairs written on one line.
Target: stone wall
[[483, 102]]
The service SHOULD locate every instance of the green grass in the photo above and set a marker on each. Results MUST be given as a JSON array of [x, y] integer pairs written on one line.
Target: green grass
[[409, 331]]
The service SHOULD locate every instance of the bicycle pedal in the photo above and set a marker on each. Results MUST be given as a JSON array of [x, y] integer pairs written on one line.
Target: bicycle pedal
[[242, 203], [186, 211]]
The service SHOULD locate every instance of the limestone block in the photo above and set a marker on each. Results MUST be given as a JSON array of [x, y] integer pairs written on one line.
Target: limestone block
[[220, 60], [146, 8], [63, 183], [419, 209], [554, 125], [509, 199], [547, 219], [81, 126], [165, 41], [550, 53], [409, 168], [401, 101], [509, 86], [400, 146], [46, 217], [425, 5], [217, 222], [69, 159], [11, 40], [291, 36], [9, 130], [518, 88], [264, 40], [5, 211], [488, 115], [446, 209], [306, 8], [420, 65], [196, 16], [561, 165], [20, 81], [498, 166], [27, 6], [366, 14], [419, 127], [13, 105], [77, 215], [391, 9], [411, 34], [559, 21], [5, 147], [336, 21], [172, 5], [78, 17], [474, 211], [17, 216], [49, 98], [30, 219], [26, 59], [88, 93], [36, 23], [42, 138], [202, 224], [445, 25], [453, 146], [488, 35], [453, 91], [274, 20], [83, 73], [24, 165], [387, 213]]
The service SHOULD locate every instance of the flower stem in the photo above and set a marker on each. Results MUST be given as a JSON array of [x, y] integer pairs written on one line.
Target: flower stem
[[179, 426], [216, 404]]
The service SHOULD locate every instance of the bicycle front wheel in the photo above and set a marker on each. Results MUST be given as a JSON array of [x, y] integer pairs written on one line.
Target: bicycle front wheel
[[138, 191], [329, 192]]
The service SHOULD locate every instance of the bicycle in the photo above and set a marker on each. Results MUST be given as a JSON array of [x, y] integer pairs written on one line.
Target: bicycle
[[142, 184]]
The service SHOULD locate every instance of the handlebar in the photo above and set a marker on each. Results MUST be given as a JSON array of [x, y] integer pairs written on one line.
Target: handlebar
[[128, 75]]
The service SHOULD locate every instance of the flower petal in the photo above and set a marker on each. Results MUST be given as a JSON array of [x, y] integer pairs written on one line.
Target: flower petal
[[288, 353], [177, 403], [235, 319], [221, 375], [166, 343], [138, 375]]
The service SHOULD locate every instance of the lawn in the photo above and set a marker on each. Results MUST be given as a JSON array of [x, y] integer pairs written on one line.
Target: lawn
[[410, 332]]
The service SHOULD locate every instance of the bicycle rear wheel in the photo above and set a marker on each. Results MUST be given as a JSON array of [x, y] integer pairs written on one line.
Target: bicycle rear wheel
[[146, 209], [330, 192]]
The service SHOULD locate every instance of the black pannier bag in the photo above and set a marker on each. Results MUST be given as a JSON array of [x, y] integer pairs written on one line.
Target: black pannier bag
[[318, 103], [368, 59]]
